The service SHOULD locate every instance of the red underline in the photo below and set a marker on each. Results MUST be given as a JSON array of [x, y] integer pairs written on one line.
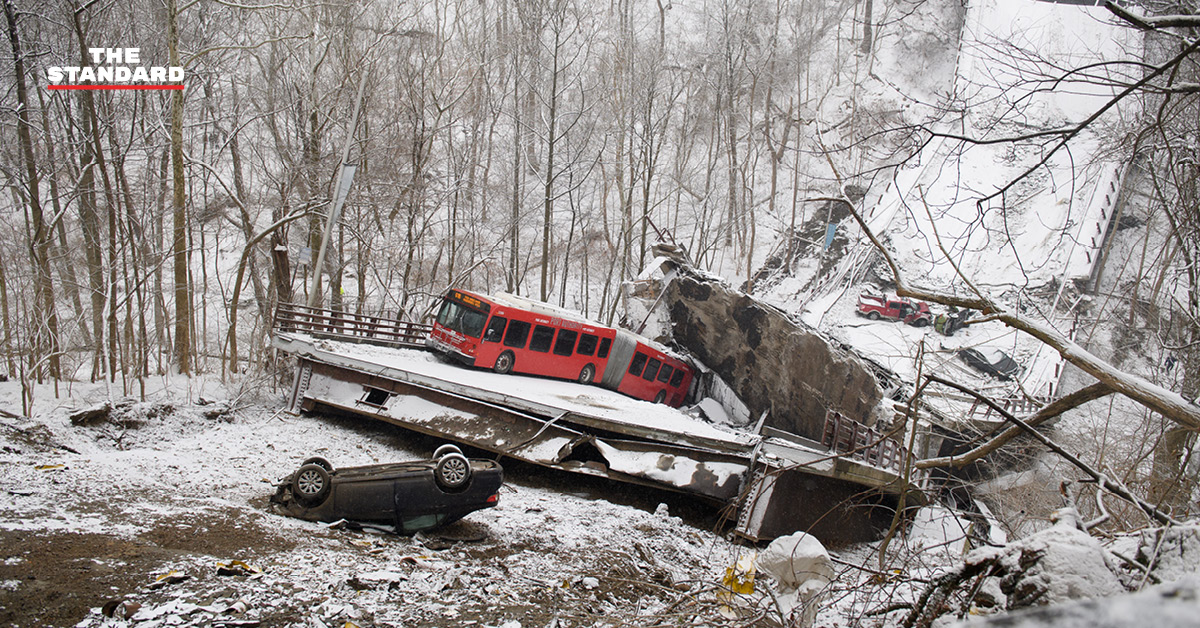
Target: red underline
[[114, 87]]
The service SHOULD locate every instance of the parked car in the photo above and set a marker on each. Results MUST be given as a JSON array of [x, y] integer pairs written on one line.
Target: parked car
[[412, 496], [991, 361], [876, 307]]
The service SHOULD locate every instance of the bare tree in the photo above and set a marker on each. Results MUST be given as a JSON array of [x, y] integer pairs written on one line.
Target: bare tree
[[179, 239], [41, 231]]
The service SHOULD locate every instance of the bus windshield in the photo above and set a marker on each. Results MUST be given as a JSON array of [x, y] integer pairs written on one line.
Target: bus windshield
[[461, 319]]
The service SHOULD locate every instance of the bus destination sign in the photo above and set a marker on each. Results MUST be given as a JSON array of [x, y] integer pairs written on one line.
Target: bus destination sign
[[469, 300]]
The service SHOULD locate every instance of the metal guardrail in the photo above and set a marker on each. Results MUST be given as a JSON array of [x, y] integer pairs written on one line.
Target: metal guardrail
[[847, 436], [1019, 406], [350, 327]]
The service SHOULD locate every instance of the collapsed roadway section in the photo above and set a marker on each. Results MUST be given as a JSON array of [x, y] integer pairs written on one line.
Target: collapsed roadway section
[[842, 490]]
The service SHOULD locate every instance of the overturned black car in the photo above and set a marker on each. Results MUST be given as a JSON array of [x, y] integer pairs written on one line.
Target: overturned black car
[[412, 496]]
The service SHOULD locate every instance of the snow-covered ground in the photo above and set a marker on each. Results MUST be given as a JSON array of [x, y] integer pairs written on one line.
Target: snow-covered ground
[[196, 487]]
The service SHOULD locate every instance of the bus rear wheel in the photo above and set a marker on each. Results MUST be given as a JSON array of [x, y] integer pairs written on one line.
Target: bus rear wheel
[[504, 363], [587, 374], [660, 397]]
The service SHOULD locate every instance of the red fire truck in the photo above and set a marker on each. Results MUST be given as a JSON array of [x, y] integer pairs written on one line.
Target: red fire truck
[[511, 334]]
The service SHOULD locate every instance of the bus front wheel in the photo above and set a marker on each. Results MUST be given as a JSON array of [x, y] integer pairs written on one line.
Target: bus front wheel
[[587, 374], [504, 363]]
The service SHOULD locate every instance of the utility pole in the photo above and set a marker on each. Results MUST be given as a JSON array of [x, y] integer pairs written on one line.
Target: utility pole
[[340, 192]]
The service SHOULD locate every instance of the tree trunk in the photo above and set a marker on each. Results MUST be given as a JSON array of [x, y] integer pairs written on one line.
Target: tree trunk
[[179, 254], [514, 249], [1170, 489], [162, 331], [9, 350], [548, 197], [868, 35], [239, 186], [247, 253], [312, 141], [46, 338], [94, 149], [113, 255], [280, 264], [66, 269]]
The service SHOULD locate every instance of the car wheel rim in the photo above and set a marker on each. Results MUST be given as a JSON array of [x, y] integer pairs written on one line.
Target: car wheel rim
[[309, 483], [454, 472]]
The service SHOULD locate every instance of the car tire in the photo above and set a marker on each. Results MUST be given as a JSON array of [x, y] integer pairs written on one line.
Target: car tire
[[320, 462], [921, 322], [588, 374], [873, 315], [452, 472], [446, 449], [311, 485], [504, 363], [660, 397]]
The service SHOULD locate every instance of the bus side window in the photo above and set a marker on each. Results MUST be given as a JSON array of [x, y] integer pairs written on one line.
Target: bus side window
[[677, 378], [587, 345], [565, 344], [495, 329], [542, 337], [638, 363], [518, 331], [604, 346], [665, 374], [651, 370]]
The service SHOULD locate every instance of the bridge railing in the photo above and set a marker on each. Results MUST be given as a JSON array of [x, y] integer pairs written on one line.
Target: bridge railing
[[348, 326], [847, 436]]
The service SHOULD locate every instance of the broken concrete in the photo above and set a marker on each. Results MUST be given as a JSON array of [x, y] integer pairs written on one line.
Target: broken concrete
[[773, 363]]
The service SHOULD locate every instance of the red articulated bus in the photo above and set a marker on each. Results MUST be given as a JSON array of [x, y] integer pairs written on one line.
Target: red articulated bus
[[511, 334]]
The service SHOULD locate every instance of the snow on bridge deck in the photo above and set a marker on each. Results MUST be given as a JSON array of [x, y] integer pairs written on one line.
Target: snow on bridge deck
[[591, 405]]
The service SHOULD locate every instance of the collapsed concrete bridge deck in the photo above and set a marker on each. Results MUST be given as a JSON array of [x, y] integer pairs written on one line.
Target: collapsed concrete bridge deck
[[778, 482]]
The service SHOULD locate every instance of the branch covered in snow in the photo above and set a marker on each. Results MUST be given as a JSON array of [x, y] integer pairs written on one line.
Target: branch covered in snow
[[1154, 23], [1103, 480], [1045, 413]]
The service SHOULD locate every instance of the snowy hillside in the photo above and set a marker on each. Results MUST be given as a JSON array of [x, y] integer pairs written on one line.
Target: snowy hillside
[[950, 216], [950, 209]]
